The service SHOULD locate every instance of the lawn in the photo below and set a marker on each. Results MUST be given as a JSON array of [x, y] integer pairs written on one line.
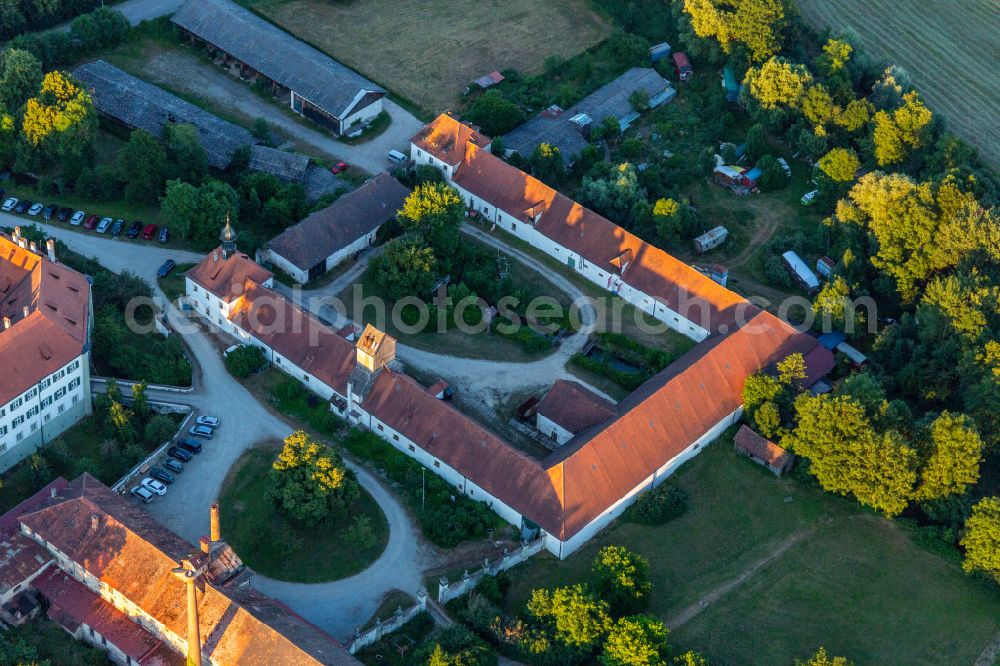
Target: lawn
[[428, 52], [949, 49], [854, 582], [173, 285], [274, 546]]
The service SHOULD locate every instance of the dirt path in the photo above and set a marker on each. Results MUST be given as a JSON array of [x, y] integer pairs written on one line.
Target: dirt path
[[991, 654], [760, 236], [694, 609]]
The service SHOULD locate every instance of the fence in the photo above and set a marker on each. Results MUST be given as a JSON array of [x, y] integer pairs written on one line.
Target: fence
[[448, 591], [398, 619], [122, 483], [125, 383]]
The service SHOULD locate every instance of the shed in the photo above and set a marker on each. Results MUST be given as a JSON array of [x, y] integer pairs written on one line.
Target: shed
[[717, 272], [825, 266], [751, 177], [730, 84], [728, 175], [658, 52], [853, 354], [683, 66], [711, 239], [798, 270], [489, 80], [762, 451]]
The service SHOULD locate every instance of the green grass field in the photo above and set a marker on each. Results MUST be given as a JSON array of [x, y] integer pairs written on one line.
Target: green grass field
[[273, 546], [852, 581], [428, 52], [949, 49]]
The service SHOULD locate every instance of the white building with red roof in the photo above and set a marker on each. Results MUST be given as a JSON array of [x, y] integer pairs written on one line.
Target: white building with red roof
[[46, 316]]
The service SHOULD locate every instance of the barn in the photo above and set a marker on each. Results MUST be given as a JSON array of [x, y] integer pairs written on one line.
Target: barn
[[310, 82], [325, 238]]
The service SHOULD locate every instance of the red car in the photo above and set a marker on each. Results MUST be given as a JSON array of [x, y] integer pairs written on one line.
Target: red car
[[90, 223], [338, 167], [149, 231]]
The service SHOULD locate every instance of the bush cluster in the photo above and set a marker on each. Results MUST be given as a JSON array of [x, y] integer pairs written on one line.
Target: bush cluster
[[666, 502]]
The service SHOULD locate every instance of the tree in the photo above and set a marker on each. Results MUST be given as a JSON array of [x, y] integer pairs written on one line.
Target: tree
[[639, 640], [405, 268], [615, 193], [855, 116], [833, 302], [103, 27], [848, 456], [818, 106], [12, 19], [547, 164], [143, 166], [756, 142], [659, 505], [903, 129], [758, 24], [622, 579], [840, 164], [822, 659], [673, 219], [953, 464], [777, 82], [197, 213], [836, 55], [772, 176], [185, 152], [759, 388], [309, 481], [159, 429], [792, 370], [59, 124], [20, 78], [690, 658], [140, 402], [120, 419], [767, 417], [574, 615], [495, 113], [244, 359], [434, 211], [982, 538]]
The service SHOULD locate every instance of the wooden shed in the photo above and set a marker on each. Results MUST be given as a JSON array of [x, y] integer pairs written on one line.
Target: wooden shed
[[762, 451]]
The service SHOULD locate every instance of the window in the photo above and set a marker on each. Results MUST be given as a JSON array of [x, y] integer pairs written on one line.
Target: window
[[73, 384], [379, 426], [47, 417], [34, 426], [61, 409], [3, 447], [60, 393], [33, 411], [395, 438], [3, 431], [419, 153], [513, 226], [18, 421], [277, 360], [47, 401], [20, 436], [31, 394], [76, 399], [437, 463], [411, 447]]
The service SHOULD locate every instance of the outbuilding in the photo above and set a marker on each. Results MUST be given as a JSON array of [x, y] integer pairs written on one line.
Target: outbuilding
[[798, 270], [762, 451], [683, 66], [711, 239], [659, 51], [751, 177]]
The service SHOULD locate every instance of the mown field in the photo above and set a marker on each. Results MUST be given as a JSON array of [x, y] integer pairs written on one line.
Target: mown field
[[849, 580], [949, 48], [427, 52]]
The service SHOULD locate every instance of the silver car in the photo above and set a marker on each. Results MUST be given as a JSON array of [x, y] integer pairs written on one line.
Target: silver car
[[154, 486], [210, 421], [104, 224], [142, 493]]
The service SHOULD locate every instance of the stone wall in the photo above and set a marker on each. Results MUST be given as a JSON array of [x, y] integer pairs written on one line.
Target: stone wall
[[384, 627], [448, 590]]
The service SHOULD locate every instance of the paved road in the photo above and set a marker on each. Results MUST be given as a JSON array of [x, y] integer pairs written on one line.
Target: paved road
[[336, 607], [137, 11]]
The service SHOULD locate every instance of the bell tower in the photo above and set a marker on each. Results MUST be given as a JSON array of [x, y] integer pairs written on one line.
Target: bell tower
[[228, 239]]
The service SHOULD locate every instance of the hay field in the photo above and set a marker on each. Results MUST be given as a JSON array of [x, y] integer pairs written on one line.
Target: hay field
[[951, 50], [427, 51]]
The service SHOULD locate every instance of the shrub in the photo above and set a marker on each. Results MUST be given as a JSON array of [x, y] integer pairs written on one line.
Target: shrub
[[244, 359], [666, 502]]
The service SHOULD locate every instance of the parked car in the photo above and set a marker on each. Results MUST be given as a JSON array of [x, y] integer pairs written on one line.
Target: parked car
[[162, 475], [23, 205], [164, 235], [90, 223], [116, 228], [179, 454], [189, 445], [396, 157], [809, 197], [339, 167], [64, 214], [35, 209], [134, 229], [174, 465], [210, 421], [142, 493], [201, 431], [10, 203], [165, 269], [104, 225], [48, 211], [149, 231], [77, 218], [154, 486]]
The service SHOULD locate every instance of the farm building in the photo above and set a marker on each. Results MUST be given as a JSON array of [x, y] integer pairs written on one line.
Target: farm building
[[489, 80], [569, 130], [762, 451], [683, 66], [568, 409], [711, 239], [295, 169], [137, 104], [325, 238], [658, 52], [310, 82], [717, 272], [800, 272], [728, 175], [750, 178]]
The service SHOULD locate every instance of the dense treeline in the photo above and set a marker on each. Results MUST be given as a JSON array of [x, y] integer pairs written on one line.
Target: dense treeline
[[17, 16]]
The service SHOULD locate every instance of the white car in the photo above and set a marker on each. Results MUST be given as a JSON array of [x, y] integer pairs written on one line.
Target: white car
[[210, 421], [36, 209], [104, 224], [142, 493], [808, 198], [10, 203], [77, 218], [154, 486]]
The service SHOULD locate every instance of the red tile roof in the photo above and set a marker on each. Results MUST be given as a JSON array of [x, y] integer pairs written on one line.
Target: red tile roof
[[598, 240], [20, 558], [760, 447], [295, 334], [126, 548], [84, 606], [56, 328], [225, 277], [574, 406], [446, 139]]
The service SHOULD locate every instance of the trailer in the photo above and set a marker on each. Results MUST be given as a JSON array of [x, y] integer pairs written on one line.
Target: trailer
[[683, 66], [728, 175], [659, 51], [730, 84], [711, 239], [751, 177], [825, 266], [800, 272]]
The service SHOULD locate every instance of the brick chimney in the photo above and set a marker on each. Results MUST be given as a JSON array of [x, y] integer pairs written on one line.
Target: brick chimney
[[50, 245], [215, 532], [189, 577], [206, 545], [17, 236]]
